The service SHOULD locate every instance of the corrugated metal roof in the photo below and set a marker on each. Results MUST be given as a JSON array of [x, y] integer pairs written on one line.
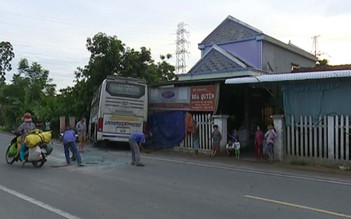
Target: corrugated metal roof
[[223, 75], [290, 77]]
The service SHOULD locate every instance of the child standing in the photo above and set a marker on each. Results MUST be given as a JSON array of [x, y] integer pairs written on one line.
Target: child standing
[[259, 142], [216, 139], [236, 143], [229, 148], [237, 149]]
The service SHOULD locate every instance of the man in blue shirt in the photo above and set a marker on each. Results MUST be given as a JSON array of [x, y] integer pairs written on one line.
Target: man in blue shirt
[[69, 142], [135, 141]]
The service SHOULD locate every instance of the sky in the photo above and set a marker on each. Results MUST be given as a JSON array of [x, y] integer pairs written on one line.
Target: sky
[[54, 33]]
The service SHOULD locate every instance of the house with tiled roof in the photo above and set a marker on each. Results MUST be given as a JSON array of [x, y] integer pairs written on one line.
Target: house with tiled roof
[[245, 77], [236, 49], [233, 49]]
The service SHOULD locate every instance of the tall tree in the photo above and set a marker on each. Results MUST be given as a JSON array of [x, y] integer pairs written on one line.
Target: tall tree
[[109, 56], [105, 58], [141, 65], [38, 78], [162, 71], [135, 63], [30, 89], [6, 55]]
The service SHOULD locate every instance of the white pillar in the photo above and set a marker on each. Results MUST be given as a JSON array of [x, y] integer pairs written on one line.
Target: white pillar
[[221, 121], [279, 145]]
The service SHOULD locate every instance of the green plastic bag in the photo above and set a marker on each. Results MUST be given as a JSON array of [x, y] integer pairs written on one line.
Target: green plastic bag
[[13, 150]]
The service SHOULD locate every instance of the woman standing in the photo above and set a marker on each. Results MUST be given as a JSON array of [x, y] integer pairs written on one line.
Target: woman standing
[[216, 139], [196, 139], [259, 137]]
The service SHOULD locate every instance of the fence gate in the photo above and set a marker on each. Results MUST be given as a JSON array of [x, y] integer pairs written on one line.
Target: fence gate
[[205, 122], [329, 138]]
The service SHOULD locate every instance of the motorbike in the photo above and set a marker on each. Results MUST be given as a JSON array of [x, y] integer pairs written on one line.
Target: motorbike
[[45, 150]]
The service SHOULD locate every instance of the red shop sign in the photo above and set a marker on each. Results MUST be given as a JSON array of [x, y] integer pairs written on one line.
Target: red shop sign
[[203, 98]]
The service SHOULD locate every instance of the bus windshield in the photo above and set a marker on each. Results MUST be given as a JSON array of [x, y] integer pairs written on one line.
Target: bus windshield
[[125, 90]]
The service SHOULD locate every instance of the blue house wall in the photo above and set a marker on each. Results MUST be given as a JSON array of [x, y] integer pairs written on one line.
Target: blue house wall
[[249, 50], [256, 49]]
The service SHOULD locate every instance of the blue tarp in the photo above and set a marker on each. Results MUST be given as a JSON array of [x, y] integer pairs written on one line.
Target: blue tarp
[[317, 99], [167, 128]]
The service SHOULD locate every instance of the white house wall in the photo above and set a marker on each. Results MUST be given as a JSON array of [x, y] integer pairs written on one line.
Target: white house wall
[[277, 59]]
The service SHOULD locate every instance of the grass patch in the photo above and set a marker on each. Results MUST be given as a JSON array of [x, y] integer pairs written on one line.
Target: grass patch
[[4, 129], [299, 163]]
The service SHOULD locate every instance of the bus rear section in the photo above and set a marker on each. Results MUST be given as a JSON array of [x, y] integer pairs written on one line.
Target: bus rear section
[[121, 110], [112, 127]]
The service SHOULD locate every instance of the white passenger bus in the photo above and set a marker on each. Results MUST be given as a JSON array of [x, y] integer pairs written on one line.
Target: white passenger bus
[[118, 108]]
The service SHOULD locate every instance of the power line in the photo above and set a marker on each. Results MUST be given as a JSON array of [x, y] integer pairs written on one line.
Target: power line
[[104, 25]]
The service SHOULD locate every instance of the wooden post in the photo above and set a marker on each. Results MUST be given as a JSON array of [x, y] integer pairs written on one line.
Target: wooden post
[[62, 124], [72, 122], [331, 136]]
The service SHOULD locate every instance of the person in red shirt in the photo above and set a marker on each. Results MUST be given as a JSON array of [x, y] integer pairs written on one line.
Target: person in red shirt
[[259, 137]]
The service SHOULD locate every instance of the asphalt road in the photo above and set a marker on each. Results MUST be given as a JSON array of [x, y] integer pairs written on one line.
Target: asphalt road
[[169, 186]]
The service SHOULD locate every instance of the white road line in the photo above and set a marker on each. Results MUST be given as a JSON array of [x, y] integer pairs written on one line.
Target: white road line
[[299, 206], [247, 170], [244, 170], [38, 203]]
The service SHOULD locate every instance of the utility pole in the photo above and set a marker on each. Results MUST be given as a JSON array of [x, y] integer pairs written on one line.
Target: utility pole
[[182, 43]]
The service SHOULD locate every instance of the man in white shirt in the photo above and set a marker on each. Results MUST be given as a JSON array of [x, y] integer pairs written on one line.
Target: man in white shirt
[[81, 131]]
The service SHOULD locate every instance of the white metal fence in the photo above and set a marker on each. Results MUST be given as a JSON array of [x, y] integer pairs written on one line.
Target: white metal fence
[[205, 122], [327, 139]]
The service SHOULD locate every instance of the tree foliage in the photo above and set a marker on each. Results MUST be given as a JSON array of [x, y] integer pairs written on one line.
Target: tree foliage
[[322, 63], [6, 55], [109, 56], [32, 89]]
